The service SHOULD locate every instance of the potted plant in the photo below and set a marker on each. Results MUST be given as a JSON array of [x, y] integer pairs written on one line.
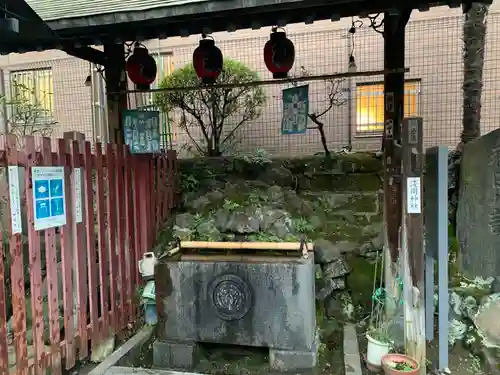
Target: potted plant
[[395, 364], [379, 344]]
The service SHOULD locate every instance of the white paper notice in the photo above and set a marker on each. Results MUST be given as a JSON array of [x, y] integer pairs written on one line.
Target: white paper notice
[[77, 180], [15, 199], [413, 195]]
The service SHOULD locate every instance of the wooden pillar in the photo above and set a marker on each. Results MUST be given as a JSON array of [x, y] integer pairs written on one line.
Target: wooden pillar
[[403, 158], [394, 57], [116, 85], [412, 244]]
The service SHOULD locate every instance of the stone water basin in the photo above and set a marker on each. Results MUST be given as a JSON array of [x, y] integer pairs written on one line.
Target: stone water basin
[[255, 300]]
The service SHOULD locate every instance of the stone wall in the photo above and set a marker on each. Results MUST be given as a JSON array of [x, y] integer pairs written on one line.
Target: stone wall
[[334, 203], [475, 284], [478, 214]]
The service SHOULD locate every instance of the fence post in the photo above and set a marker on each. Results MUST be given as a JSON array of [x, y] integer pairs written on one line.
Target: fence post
[[111, 229], [35, 261], [130, 233], [4, 356], [91, 243], [17, 276], [101, 237], [172, 179], [67, 246], [145, 201], [75, 142], [137, 206], [52, 276], [120, 181]]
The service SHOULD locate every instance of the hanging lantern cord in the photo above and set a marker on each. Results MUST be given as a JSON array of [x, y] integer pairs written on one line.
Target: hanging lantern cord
[[139, 44], [276, 28], [205, 36]]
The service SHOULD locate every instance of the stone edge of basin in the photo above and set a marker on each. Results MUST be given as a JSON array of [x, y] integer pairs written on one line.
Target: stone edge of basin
[[352, 359]]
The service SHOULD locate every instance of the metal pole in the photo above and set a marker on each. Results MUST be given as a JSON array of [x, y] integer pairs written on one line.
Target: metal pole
[[429, 291], [322, 77], [436, 246], [442, 255], [349, 96]]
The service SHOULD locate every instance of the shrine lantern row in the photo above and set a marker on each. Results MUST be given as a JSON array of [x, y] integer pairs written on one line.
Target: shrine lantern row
[[279, 56]]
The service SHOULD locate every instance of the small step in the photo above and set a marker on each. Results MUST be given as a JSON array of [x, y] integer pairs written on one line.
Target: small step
[[352, 359]]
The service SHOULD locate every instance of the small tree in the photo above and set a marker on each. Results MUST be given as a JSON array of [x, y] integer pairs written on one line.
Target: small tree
[[335, 98], [26, 114], [216, 112]]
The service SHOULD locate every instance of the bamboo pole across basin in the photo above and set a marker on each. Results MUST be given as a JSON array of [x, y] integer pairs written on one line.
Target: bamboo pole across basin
[[304, 247]]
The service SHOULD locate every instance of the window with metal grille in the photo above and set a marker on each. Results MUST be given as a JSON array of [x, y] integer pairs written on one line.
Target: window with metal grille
[[32, 96], [165, 67], [370, 105]]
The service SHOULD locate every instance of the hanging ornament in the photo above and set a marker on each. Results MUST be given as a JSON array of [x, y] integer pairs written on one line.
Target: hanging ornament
[[279, 54], [141, 67], [207, 60]]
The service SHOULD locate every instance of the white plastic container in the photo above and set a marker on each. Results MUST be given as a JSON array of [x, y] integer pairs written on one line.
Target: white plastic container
[[375, 351], [147, 265]]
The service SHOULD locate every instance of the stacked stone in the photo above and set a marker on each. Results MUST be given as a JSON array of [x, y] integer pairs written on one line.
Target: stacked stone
[[331, 272]]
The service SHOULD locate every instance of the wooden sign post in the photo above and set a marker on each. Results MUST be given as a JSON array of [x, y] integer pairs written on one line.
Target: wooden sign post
[[412, 241]]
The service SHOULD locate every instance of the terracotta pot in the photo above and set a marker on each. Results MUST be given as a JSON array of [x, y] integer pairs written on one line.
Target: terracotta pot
[[395, 358]]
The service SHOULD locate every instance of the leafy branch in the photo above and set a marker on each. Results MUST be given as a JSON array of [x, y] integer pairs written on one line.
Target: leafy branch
[[211, 117], [26, 114]]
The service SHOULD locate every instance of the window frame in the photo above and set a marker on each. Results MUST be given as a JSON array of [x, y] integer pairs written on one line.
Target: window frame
[[35, 76], [168, 62], [379, 132]]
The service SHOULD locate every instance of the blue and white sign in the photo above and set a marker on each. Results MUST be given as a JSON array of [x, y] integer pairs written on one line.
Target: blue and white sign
[[48, 197]]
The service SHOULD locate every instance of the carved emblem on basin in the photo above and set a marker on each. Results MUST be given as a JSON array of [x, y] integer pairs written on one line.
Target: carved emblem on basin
[[230, 296]]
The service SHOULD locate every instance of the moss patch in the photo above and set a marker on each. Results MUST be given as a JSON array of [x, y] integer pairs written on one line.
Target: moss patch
[[360, 283]]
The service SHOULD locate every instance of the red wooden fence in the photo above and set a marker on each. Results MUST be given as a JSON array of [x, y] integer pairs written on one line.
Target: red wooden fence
[[125, 200]]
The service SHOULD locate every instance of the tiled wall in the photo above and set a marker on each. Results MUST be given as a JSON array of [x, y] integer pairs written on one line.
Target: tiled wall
[[433, 55]]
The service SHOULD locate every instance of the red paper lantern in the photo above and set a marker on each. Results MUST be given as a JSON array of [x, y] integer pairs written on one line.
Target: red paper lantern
[[141, 67], [279, 54], [207, 61]]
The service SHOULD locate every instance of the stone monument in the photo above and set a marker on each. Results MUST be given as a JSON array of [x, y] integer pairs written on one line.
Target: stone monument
[[258, 301], [478, 214]]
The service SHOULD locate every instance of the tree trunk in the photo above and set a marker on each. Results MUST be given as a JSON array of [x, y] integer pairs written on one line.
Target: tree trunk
[[321, 129], [474, 44], [474, 36]]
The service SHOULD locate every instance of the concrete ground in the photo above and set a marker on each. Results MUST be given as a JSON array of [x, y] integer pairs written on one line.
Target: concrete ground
[[352, 360]]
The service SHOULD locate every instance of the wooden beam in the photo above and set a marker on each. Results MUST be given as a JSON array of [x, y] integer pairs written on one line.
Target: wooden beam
[[87, 53]]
